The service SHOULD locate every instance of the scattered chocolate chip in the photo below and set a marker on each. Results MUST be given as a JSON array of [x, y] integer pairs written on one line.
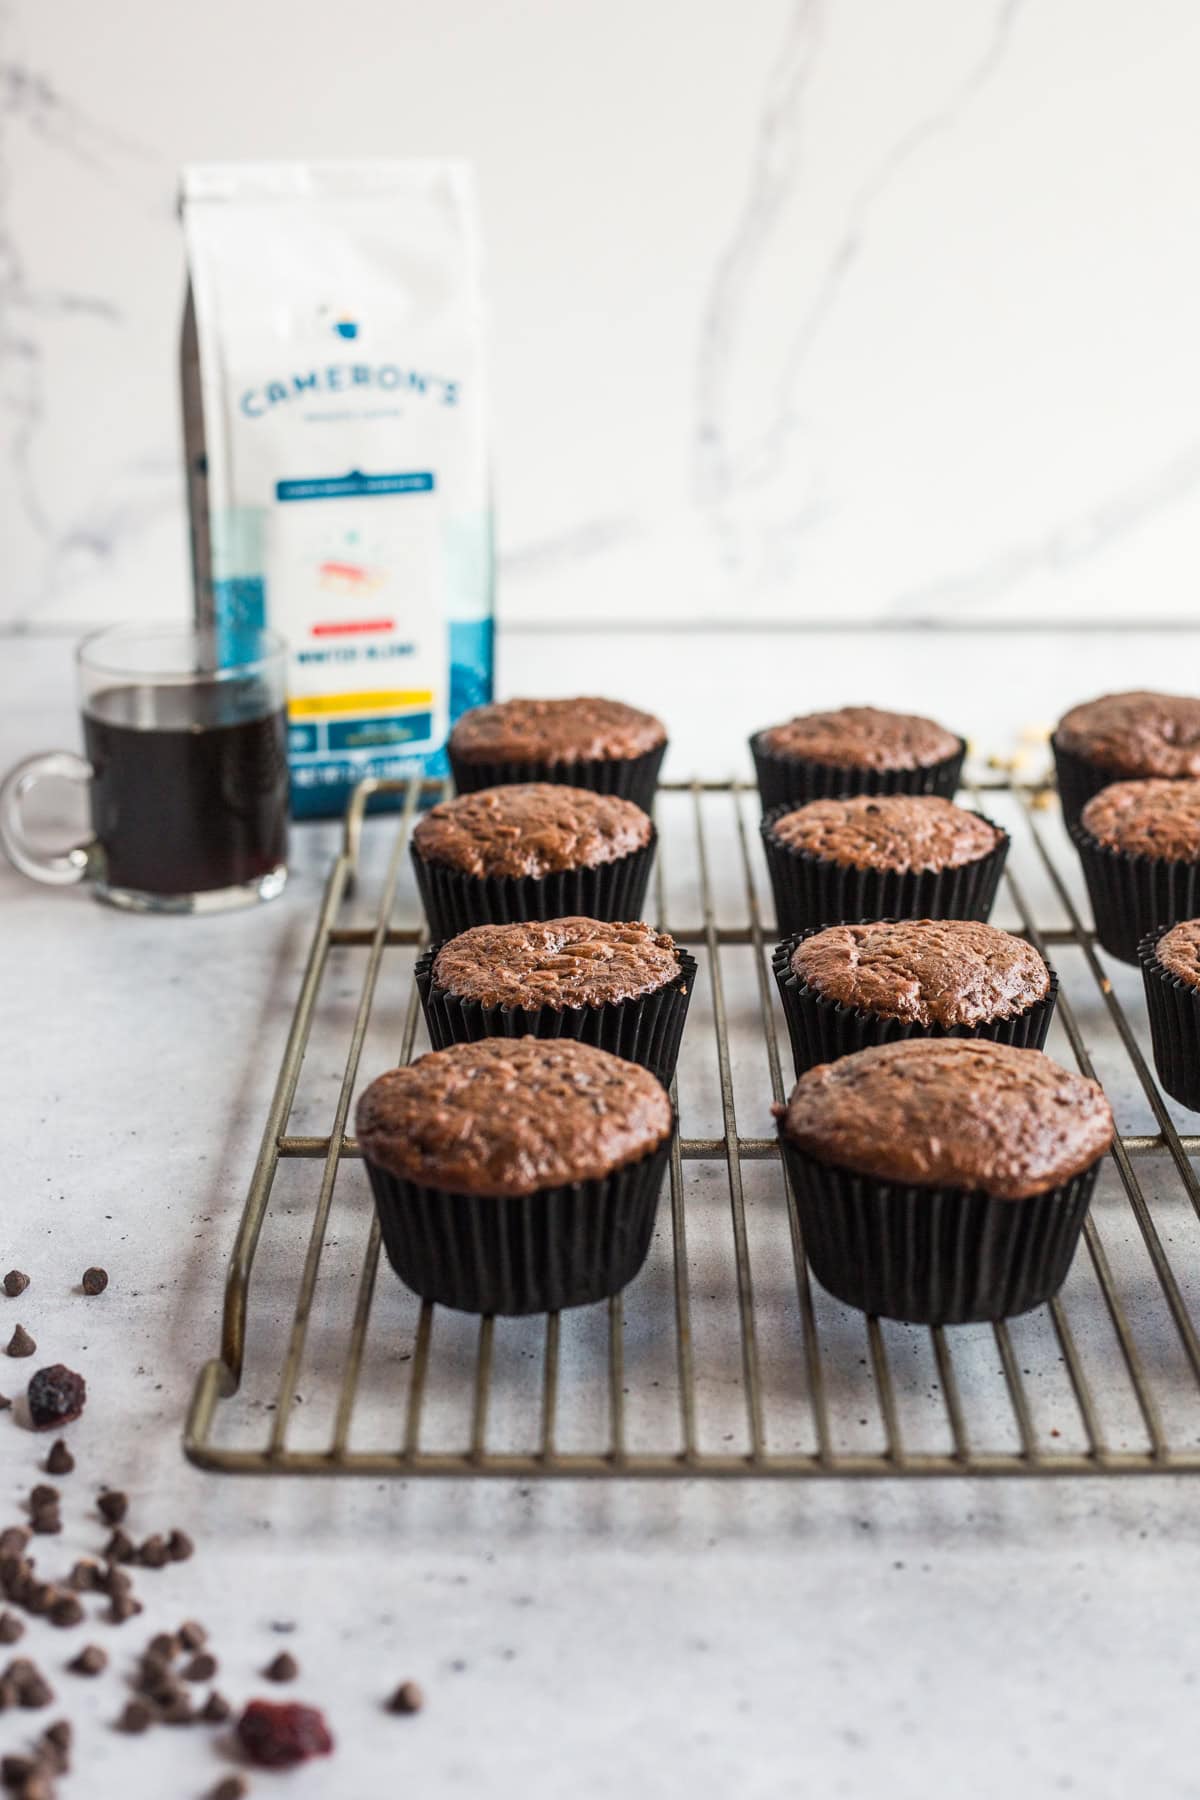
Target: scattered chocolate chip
[[276, 1735], [407, 1698], [231, 1787], [59, 1734], [123, 1606], [202, 1667], [11, 1628], [29, 1685], [216, 1709], [154, 1554], [43, 1495], [95, 1281], [92, 1660], [16, 1771], [156, 1676], [66, 1611], [20, 1343], [180, 1546], [56, 1396], [191, 1635], [177, 1711], [13, 1540], [120, 1547], [283, 1667], [60, 1461], [85, 1577], [54, 1747], [47, 1520], [112, 1505], [164, 1645], [15, 1282], [136, 1717], [5, 1402], [114, 1580]]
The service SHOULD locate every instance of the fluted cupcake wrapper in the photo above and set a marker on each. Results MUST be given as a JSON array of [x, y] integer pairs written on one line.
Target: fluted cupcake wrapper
[[563, 1246], [645, 1029], [791, 780], [1079, 779], [1134, 895], [935, 1256], [821, 1030], [612, 891], [1173, 1007], [811, 890], [630, 777]]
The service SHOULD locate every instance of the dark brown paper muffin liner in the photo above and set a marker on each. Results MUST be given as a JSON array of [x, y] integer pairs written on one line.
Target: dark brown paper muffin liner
[[630, 777], [645, 1029], [454, 901], [1079, 778], [795, 779], [822, 1030], [935, 1256], [1134, 895], [564, 1246], [812, 891], [1173, 1007]]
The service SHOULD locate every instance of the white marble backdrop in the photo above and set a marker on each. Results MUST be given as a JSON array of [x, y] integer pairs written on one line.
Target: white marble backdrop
[[801, 308]]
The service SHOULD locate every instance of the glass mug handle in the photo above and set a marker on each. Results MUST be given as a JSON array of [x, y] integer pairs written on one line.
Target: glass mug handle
[[57, 869]]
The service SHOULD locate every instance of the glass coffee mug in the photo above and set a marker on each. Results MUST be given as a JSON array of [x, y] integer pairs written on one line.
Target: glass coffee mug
[[186, 772]]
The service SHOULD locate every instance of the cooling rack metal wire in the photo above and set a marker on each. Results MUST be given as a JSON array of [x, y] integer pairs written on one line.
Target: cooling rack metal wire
[[1084, 1351]]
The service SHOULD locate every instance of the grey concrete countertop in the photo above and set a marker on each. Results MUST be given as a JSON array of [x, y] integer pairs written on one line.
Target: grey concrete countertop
[[752, 1640]]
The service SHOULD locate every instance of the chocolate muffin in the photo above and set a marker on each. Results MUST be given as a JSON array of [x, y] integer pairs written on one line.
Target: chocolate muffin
[[943, 1181], [1171, 973], [891, 856], [849, 986], [1139, 844], [516, 1176], [534, 850], [855, 750], [1124, 737], [588, 743], [623, 987]]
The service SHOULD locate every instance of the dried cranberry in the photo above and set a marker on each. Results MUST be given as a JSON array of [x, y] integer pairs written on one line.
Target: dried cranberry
[[56, 1396], [277, 1735]]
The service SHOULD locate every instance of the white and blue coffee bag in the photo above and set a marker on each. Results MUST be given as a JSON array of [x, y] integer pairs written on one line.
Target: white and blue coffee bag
[[334, 420]]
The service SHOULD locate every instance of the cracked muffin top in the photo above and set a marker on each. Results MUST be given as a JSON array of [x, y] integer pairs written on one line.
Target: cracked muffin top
[[588, 729], [556, 963], [532, 828], [888, 831], [511, 1115], [1138, 733], [1147, 818], [928, 972], [951, 1113], [862, 737]]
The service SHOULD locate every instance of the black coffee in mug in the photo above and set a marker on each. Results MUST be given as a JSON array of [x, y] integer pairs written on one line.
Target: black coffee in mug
[[189, 785], [186, 772]]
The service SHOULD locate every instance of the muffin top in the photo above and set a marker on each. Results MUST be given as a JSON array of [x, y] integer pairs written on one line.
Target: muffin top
[[1147, 818], [863, 737], [888, 831], [556, 963], [1138, 734], [532, 828], [1178, 950], [930, 972], [512, 1115], [951, 1112], [556, 731]]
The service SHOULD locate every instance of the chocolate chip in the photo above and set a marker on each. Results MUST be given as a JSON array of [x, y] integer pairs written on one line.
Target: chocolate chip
[[56, 1396], [114, 1580], [163, 1645], [20, 1343], [154, 1554], [13, 1540], [216, 1709], [202, 1667], [16, 1771], [5, 1402], [192, 1636], [95, 1281], [43, 1495], [112, 1505], [230, 1787], [47, 1520], [32, 1688], [407, 1698], [54, 1746], [15, 1282], [66, 1611], [136, 1717], [60, 1461], [156, 1676], [85, 1577], [91, 1660], [177, 1711], [180, 1546], [283, 1667], [123, 1606], [120, 1547]]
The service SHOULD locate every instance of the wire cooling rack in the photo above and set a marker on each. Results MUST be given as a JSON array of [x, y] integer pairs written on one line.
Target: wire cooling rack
[[725, 1357]]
